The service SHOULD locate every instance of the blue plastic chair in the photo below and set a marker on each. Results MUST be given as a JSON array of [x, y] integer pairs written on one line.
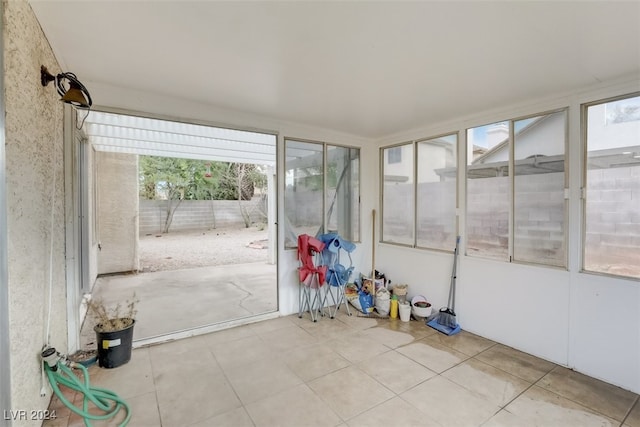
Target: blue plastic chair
[[337, 274]]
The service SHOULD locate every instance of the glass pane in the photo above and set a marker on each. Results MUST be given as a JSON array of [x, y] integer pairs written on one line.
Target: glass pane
[[303, 190], [612, 229], [343, 192], [436, 195], [398, 195], [488, 191], [539, 144]]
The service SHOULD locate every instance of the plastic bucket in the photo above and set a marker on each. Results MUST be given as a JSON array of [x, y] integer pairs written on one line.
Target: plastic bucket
[[114, 348], [420, 306], [405, 311]]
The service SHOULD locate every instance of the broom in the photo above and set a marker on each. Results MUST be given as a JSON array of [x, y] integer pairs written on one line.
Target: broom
[[373, 252], [447, 315]]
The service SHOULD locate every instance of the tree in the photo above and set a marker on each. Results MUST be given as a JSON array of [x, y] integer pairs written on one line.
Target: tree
[[171, 179], [238, 181], [174, 180]]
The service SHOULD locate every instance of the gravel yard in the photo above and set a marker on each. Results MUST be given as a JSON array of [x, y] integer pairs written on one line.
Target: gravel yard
[[222, 246]]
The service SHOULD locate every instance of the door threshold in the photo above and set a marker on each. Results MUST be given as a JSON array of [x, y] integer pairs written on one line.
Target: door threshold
[[202, 330]]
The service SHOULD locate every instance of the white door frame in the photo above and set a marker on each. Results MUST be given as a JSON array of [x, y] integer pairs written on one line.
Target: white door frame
[[75, 246]]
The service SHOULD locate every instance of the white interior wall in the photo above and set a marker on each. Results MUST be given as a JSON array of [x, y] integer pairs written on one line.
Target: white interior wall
[[588, 322]]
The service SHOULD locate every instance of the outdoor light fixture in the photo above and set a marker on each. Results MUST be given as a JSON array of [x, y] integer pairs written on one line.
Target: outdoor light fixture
[[76, 94]]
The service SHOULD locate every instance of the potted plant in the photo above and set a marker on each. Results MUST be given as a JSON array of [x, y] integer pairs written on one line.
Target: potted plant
[[114, 331]]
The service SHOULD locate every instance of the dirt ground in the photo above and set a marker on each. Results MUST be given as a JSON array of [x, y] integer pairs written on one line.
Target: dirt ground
[[222, 246]]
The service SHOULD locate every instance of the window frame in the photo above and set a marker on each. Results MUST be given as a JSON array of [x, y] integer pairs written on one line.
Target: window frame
[[584, 124], [382, 194], [415, 164], [511, 191], [456, 196], [325, 219]]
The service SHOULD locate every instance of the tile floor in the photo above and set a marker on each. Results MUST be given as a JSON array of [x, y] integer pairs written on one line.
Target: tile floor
[[352, 371]]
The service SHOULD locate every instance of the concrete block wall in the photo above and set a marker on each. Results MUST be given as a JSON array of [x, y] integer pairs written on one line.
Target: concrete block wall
[[199, 214], [436, 225], [539, 221], [397, 212], [488, 216], [613, 216], [303, 208], [613, 220]]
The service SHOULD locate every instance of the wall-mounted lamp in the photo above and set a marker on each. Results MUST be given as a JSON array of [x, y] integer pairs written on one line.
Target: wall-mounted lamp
[[76, 94]]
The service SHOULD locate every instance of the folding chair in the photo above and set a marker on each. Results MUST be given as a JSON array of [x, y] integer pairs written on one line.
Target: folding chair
[[338, 275], [312, 276]]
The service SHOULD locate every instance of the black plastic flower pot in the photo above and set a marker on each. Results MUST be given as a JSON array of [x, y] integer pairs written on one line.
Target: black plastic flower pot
[[114, 347]]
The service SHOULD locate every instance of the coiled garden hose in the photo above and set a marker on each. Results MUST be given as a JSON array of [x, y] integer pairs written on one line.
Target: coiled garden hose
[[106, 400]]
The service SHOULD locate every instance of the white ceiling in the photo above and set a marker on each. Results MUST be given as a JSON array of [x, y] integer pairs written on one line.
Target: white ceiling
[[366, 68]]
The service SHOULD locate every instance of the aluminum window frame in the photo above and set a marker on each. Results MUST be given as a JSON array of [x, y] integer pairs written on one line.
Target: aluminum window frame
[[415, 163], [584, 121], [273, 224], [511, 191], [382, 195], [455, 134], [325, 162], [566, 189], [326, 188]]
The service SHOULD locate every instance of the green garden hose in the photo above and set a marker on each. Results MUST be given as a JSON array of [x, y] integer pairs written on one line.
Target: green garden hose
[[106, 400]]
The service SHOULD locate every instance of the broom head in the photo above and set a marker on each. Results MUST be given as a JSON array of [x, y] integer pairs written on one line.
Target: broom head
[[447, 317]]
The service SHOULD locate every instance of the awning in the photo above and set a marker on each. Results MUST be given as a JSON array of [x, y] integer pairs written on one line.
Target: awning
[[121, 133]]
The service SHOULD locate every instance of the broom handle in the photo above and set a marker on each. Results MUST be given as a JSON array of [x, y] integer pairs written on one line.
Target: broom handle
[[373, 251], [452, 288]]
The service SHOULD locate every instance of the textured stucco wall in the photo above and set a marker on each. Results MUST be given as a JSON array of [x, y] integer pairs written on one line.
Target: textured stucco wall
[[117, 187], [35, 185]]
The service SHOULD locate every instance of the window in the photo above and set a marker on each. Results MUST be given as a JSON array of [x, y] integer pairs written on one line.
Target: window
[[612, 188], [539, 183], [488, 191], [436, 225], [419, 202], [343, 191], [520, 215], [398, 196], [321, 196]]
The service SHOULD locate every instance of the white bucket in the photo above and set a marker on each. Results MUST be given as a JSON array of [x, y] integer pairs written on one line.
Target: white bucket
[[405, 311], [416, 308]]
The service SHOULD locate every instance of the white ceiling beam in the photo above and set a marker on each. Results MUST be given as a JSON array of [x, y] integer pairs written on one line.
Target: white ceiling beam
[[180, 154], [173, 127]]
